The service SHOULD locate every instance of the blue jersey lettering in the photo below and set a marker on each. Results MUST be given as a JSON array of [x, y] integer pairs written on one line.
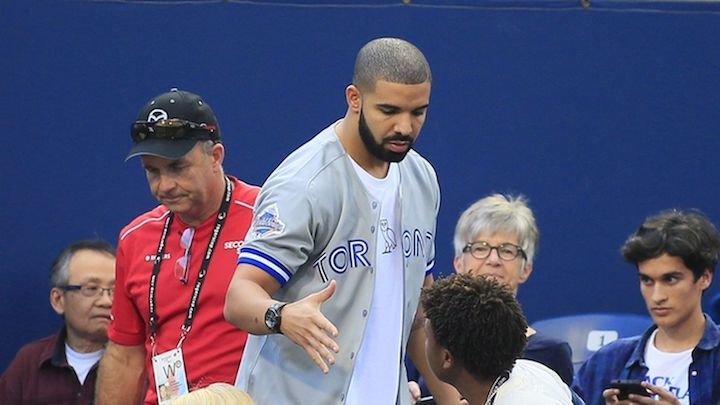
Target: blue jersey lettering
[[344, 257], [358, 250], [414, 244], [339, 266]]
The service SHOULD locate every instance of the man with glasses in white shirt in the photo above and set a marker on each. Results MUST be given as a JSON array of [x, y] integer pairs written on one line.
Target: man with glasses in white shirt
[[61, 368]]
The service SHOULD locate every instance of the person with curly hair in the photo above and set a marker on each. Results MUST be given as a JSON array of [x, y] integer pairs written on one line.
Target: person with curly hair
[[475, 332]]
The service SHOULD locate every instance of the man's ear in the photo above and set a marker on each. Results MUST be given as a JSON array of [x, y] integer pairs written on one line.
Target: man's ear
[[706, 279], [448, 360], [353, 98], [218, 155], [57, 300]]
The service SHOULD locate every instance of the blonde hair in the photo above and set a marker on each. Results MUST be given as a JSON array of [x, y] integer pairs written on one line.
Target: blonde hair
[[215, 394]]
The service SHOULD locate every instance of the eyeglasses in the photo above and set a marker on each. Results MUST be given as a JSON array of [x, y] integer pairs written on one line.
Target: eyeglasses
[[182, 263], [506, 251], [89, 290], [172, 129]]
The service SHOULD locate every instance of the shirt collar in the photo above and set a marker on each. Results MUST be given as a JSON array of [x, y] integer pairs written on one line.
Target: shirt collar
[[54, 352], [709, 340], [711, 336], [638, 354]]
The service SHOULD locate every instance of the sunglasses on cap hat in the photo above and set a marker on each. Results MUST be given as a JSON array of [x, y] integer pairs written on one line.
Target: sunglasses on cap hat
[[172, 129]]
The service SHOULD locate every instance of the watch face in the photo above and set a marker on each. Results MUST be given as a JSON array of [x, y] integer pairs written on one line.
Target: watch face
[[271, 318]]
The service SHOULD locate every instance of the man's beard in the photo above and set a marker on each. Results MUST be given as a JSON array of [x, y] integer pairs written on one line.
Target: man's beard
[[377, 149]]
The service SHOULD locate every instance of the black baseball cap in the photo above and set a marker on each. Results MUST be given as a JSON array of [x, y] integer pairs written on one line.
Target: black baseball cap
[[193, 120]]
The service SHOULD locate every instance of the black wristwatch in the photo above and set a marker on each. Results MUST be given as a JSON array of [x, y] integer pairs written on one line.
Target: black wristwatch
[[273, 318]]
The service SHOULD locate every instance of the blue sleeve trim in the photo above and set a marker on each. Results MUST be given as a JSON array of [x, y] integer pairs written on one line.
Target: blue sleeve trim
[[265, 262]]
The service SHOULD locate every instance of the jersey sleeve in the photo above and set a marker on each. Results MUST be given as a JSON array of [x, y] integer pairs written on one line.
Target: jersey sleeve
[[127, 327], [431, 236], [281, 237]]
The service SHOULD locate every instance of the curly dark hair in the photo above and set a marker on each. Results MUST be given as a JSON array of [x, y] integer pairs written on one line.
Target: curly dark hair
[[478, 320], [688, 235]]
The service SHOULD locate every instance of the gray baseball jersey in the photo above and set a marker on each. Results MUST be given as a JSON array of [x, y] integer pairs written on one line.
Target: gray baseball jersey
[[315, 222]]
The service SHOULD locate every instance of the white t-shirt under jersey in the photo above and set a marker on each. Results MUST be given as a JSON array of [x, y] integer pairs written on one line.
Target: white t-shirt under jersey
[[375, 379]]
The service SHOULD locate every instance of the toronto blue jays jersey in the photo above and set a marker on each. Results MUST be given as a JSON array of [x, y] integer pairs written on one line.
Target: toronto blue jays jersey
[[315, 222]]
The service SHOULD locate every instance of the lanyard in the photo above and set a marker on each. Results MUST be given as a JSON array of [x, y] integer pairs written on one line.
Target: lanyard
[[219, 222], [502, 378]]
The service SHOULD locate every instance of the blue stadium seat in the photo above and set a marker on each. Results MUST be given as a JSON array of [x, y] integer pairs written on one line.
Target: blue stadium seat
[[586, 333]]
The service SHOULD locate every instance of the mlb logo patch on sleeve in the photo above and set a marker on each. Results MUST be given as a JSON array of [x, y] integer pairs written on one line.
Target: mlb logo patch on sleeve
[[267, 222]]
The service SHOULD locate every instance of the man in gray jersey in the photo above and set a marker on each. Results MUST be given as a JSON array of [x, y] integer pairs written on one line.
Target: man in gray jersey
[[345, 223]]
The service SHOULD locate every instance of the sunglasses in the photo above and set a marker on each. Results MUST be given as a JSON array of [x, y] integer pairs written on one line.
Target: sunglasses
[[182, 263], [172, 129]]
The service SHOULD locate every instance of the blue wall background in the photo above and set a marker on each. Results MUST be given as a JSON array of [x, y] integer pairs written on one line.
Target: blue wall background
[[599, 115]]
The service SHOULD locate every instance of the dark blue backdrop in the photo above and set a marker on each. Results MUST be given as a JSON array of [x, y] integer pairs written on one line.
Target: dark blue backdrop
[[600, 115]]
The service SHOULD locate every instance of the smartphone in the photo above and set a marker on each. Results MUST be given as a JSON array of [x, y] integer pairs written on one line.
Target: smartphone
[[628, 387], [426, 401]]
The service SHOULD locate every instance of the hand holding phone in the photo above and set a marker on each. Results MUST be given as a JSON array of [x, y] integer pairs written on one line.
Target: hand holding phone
[[628, 387]]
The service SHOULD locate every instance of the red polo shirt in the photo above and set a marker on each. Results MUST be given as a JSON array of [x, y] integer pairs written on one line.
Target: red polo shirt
[[213, 348]]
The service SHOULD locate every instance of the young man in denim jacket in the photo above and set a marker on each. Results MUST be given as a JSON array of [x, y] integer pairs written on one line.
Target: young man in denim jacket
[[678, 357]]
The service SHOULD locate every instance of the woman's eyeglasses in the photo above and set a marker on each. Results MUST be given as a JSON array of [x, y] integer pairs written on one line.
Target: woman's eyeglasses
[[505, 251]]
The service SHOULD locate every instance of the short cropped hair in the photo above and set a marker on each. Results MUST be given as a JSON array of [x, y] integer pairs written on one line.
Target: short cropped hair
[[390, 59], [59, 269], [688, 235], [478, 320], [498, 213]]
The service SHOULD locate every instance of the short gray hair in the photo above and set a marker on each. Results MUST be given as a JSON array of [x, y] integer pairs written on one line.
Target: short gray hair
[[498, 213], [60, 268], [391, 59], [207, 146]]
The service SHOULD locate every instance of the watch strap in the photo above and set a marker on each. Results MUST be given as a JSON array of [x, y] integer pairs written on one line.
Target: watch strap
[[277, 307]]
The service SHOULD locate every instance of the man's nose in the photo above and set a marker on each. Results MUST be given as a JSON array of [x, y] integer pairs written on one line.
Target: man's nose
[[403, 125], [658, 293], [106, 297], [165, 182]]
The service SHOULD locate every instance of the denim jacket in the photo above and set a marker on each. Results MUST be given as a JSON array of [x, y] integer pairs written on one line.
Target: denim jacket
[[624, 359]]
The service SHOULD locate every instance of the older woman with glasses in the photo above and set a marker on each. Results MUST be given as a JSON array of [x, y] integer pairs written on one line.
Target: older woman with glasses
[[497, 237]]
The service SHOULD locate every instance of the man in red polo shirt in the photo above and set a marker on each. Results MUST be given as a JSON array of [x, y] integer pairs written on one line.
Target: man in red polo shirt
[[175, 262]]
